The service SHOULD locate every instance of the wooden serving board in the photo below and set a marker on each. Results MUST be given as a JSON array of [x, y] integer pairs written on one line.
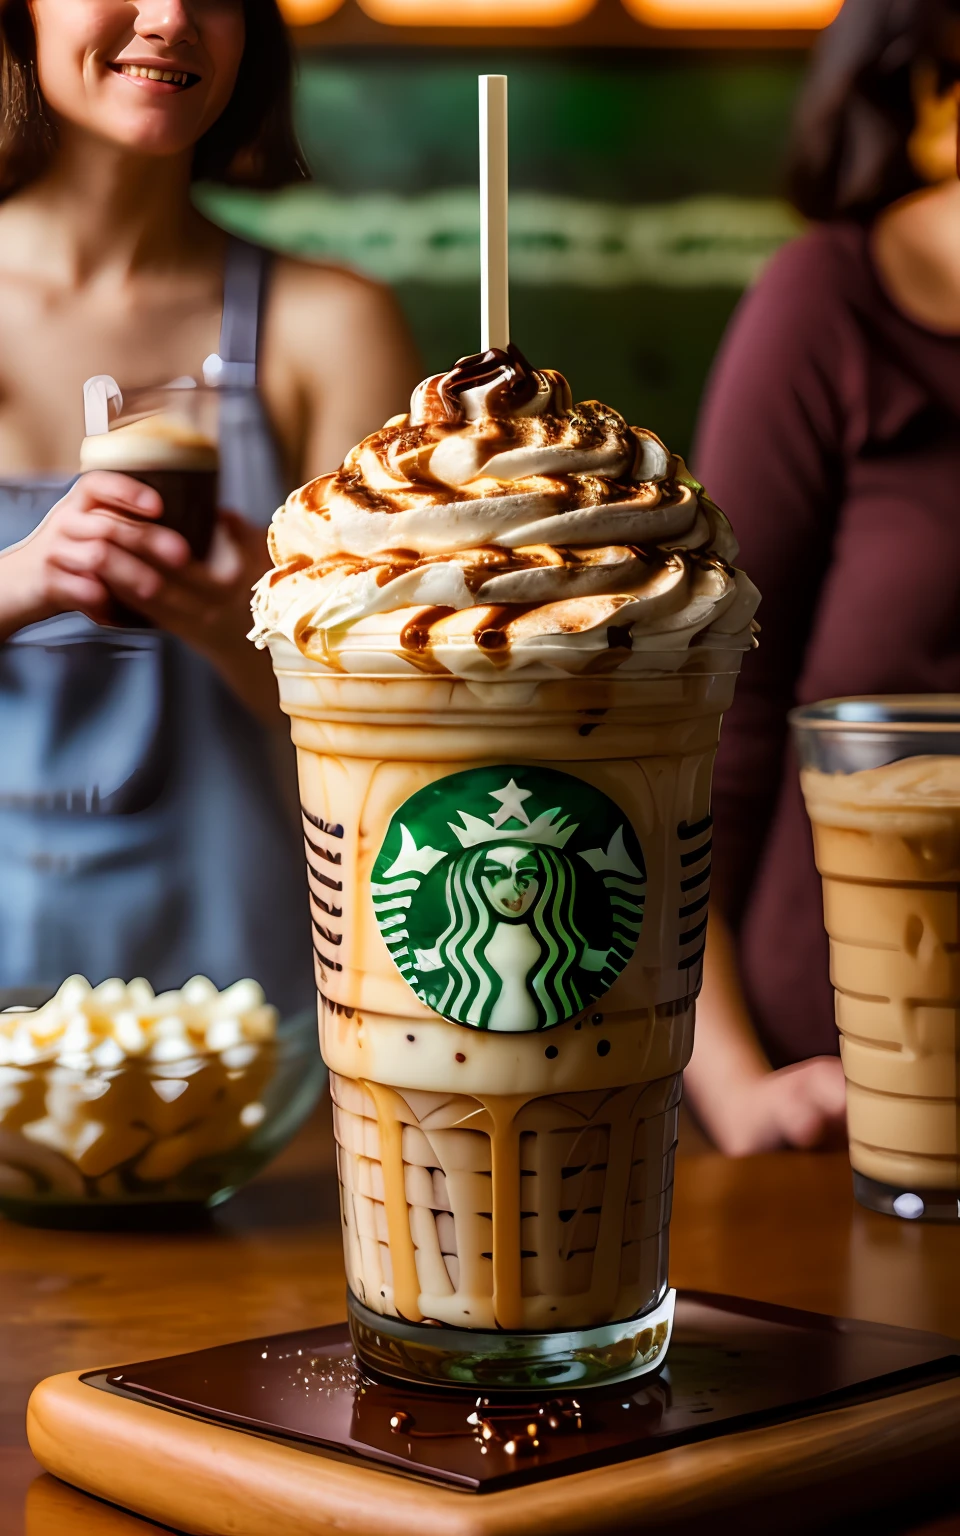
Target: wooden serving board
[[765, 1417]]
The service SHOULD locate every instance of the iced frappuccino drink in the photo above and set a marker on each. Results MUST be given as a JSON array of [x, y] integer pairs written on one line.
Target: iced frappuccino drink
[[505, 632]]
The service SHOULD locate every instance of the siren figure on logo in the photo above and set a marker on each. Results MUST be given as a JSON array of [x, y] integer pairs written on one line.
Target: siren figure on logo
[[506, 905]]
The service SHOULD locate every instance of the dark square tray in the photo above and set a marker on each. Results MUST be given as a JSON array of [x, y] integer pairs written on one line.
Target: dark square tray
[[733, 1365]]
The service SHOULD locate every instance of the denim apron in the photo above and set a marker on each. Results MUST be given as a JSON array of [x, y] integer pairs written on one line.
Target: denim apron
[[143, 828]]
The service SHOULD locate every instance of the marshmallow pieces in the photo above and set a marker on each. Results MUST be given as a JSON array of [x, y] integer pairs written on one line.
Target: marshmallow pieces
[[108, 1091]]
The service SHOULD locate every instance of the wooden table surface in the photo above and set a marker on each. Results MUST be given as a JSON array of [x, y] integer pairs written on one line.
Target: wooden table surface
[[782, 1228]]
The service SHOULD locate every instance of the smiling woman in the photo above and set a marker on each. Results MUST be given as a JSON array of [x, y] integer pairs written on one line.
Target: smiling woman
[[143, 825], [238, 116]]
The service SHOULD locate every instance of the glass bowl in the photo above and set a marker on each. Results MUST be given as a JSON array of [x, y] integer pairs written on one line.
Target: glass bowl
[[87, 1144]]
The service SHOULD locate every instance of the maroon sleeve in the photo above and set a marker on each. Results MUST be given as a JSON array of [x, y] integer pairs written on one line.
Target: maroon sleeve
[[770, 453]]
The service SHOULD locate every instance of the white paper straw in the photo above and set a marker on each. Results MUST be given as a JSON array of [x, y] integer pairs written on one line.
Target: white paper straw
[[494, 216]]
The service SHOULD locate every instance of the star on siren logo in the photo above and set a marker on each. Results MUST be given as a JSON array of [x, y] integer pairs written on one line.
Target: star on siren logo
[[513, 916]]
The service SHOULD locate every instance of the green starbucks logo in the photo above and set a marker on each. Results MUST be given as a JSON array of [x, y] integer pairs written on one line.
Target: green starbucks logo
[[509, 898]]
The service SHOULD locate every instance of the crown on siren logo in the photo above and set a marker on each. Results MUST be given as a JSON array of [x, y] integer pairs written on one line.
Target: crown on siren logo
[[545, 830], [505, 919]]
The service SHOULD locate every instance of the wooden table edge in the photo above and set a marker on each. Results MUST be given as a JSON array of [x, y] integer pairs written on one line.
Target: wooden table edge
[[177, 1471]]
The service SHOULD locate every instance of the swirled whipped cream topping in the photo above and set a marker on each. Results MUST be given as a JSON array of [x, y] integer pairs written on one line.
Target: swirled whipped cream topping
[[501, 526]]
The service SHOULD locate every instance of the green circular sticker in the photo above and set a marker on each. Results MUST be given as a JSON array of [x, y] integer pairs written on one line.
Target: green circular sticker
[[510, 898]]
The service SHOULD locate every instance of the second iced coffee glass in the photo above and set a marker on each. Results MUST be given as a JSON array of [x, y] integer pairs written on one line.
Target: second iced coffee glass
[[506, 1196], [881, 778]]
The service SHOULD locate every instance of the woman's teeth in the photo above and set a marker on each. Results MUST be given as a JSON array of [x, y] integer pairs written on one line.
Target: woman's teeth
[[139, 72]]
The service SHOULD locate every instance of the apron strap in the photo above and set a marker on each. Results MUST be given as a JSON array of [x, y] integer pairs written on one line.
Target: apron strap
[[244, 280]]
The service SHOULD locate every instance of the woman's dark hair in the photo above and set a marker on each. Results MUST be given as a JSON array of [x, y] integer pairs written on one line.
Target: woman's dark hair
[[252, 144], [849, 156]]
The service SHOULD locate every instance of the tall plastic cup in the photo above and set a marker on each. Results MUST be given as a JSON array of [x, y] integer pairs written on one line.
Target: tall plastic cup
[[881, 777], [509, 884]]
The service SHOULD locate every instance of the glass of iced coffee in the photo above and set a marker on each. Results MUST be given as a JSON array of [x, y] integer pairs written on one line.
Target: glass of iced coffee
[[166, 437], [881, 778], [505, 632]]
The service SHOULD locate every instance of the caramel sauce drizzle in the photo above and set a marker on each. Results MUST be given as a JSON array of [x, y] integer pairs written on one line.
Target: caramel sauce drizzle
[[489, 634], [415, 636], [403, 1257], [505, 1169], [290, 568], [605, 1279], [416, 641], [502, 1113]]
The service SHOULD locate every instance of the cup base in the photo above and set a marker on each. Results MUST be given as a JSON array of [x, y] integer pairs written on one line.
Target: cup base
[[907, 1204], [425, 1355]]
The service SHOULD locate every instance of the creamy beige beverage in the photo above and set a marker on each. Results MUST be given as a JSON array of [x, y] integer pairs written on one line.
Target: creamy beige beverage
[[505, 632], [168, 452], [888, 846], [492, 1178]]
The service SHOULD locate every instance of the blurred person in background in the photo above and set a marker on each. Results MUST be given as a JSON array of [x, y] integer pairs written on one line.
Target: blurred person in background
[[142, 824], [831, 435]]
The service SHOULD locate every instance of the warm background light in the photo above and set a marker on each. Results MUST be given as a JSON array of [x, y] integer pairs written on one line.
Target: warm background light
[[303, 13], [477, 13], [762, 14]]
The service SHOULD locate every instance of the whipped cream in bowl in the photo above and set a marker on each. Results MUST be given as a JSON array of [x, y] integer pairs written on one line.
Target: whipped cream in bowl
[[499, 527], [112, 1096]]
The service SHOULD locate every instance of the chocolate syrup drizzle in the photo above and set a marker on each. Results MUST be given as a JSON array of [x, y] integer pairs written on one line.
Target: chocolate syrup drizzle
[[515, 384]]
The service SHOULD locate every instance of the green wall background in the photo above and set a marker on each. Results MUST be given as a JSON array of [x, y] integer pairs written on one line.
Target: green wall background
[[645, 195]]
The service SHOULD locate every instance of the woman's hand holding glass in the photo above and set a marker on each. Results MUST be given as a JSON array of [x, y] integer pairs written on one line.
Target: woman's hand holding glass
[[101, 546], [99, 543]]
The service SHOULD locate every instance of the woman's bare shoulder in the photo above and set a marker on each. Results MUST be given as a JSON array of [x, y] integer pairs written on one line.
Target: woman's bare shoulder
[[338, 360], [317, 307]]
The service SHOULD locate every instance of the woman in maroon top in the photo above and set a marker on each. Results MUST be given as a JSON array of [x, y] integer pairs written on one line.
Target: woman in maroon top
[[831, 436]]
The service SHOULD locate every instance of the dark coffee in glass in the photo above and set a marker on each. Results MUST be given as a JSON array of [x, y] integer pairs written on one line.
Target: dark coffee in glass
[[166, 438]]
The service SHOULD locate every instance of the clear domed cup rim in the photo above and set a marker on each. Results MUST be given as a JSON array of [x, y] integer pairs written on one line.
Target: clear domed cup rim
[[867, 713]]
